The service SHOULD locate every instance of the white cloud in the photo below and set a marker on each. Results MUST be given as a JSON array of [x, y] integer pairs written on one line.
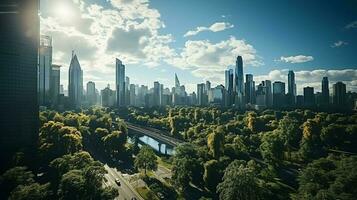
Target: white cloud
[[339, 44], [209, 60], [296, 59], [127, 29], [216, 27], [313, 78], [351, 25]]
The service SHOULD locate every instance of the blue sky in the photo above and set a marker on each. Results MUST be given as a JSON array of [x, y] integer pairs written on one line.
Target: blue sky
[[199, 39]]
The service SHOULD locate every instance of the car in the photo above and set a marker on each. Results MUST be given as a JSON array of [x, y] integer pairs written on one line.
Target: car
[[117, 181]]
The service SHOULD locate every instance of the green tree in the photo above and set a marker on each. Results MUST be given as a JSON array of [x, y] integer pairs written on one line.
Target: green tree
[[215, 142], [114, 142], [272, 148], [14, 177], [33, 191], [212, 174], [146, 159], [239, 182], [72, 185]]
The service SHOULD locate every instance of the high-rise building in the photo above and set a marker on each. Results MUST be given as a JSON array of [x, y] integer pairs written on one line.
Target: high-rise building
[[325, 92], [19, 39], [291, 88], [249, 89], [339, 94], [201, 96], [239, 81], [91, 93], [268, 91], [120, 82], [44, 70], [157, 94], [261, 97], [278, 94], [177, 82], [309, 97], [108, 97], [55, 83], [75, 82], [132, 95], [229, 86]]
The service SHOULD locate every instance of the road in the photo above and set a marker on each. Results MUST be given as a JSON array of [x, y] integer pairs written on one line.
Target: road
[[126, 191], [156, 134]]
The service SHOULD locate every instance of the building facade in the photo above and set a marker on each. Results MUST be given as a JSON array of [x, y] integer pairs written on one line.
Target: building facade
[[75, 82]]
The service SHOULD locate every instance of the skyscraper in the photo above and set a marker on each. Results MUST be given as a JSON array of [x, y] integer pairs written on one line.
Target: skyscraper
[[239, 82], [55, 83], [44, 70], [75, 82], [268, 91], [120, 82], [91, 93], [229, 86], [157, 94], [278, 94], [309, 97], [291, 88], [19, 39], [108, 97], [132, 95], [325, 93], [177, 82], [249, 89], [339, 94], [201, 99]]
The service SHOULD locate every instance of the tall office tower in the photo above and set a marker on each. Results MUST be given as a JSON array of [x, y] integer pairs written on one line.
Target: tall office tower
[[278, 94], [339, 94], [19, 38], [239, 93], [156, 94], [268, 91], [91, 93], [75, 82], [261, 97], [208, 86], [44, 70], [132, 94], [249, 89], [309, 97], [201, 96], [108, 97], [120, 82], [55, 83], [325, 92], [217, 95], [61, 89], [291, 88], [229, 86], [177, 82], [127, 90]]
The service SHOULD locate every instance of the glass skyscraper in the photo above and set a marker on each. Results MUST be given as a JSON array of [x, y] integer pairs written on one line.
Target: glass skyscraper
[[239, 81], [19, 39], [75, 82], [120, 82]]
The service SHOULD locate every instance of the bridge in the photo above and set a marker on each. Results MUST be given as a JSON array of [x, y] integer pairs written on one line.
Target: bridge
[[156, 134]]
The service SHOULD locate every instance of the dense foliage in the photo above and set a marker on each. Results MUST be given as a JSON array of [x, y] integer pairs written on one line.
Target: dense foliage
[[232, 154]]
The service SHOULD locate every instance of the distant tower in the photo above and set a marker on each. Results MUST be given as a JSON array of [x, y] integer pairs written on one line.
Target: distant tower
[[229, 86], [309, 96], [278, 94], [249, 89], [55, 83], [91, 93], [120, 82], [339, 94], [325, 91], [44, 70], [291, 88], [75, 82], [177, 82], [239, 81]]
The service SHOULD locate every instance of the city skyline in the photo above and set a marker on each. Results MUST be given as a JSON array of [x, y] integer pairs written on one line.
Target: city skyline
[[227, 34]]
